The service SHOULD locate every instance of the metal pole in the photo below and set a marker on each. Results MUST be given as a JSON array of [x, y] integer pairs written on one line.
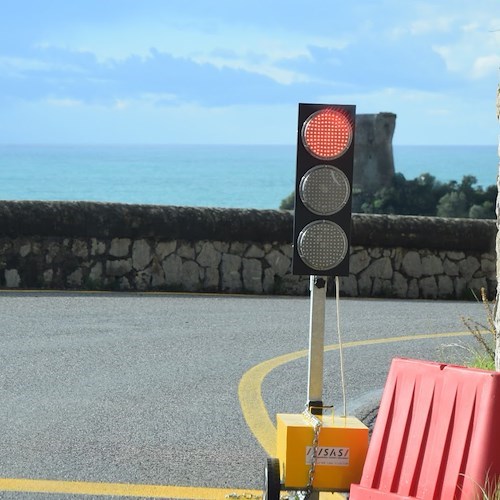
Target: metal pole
[[316, 341]]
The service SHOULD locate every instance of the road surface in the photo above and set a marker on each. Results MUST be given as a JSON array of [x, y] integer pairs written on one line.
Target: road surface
[[180, 391]]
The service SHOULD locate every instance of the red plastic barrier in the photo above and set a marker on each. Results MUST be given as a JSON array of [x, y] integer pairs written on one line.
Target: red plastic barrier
[[437, 434]]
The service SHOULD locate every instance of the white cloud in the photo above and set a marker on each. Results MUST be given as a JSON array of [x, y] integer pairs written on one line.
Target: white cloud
[[64, 102], [486, 65], [431, 25]]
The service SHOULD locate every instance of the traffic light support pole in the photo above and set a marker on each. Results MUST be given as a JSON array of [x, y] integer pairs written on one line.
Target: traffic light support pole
[[318, 285]]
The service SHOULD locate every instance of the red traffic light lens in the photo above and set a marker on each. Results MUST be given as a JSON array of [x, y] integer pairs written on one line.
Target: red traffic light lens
[[327, 134]]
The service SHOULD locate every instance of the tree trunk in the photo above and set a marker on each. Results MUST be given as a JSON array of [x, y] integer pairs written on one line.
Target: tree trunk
[[497, 308]]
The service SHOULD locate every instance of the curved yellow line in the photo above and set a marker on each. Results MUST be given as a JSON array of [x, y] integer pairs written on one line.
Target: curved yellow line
[[250, 394]]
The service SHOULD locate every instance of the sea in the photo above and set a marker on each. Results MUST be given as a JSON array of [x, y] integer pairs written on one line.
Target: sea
[[247, 176]]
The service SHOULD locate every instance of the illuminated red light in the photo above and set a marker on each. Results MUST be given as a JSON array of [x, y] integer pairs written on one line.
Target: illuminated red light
[[327, 134]]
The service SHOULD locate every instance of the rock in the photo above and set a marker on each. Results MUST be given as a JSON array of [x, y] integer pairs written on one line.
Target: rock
[[279, 262], [119, 247], [358, 261], [190, 275], [80, 249], [209, 256], [445, 287], [165, 248], [468, 267], [230, 273], [141, 255], [412, 264], [431, 265], [118, 267], [172, 267], [252, 275], [400, 285], [428, 288], [75, 278], [12, 278]]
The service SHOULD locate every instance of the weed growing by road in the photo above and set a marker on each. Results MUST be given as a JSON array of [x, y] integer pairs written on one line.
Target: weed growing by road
[[483, 356]]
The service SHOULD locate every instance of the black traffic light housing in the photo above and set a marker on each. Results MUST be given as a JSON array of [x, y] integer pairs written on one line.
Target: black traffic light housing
[[323, 189]]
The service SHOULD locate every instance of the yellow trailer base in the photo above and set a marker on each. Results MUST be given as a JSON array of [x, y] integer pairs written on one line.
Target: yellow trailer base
[[341, 452]]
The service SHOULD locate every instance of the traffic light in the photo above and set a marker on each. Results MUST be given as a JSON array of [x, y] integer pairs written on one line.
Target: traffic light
[[323, 189]]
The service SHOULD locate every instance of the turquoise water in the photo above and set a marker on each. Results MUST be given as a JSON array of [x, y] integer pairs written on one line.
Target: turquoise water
[[222, 176]]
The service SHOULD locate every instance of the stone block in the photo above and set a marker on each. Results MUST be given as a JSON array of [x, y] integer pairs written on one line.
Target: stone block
[[279, 262], [221, 246], [254, 252], [124, 283], [399, 285], [12, 278], [268, 282], [97, 247], [165, 248], [397, 258], [349, 285], [48, 276], [186, 251], [380, 268], [141, 255], [209, 256], [445, 287], [488, 267], [358, 261], [468, 267], [382, 288], [75, 278], [172, 267], [191, 275], [428, 288], [412, 264], [25, 249], [450, 268], [238, 248], [252, 275], [286, 250], [80, 249], [460, 287], [119, 247], [365, 285], [211, 279], [431, 265], [95, 273], [455, 255], [118, 267], [53, 249], [143, 280], [230, 273], [413, 289], [157, 273]]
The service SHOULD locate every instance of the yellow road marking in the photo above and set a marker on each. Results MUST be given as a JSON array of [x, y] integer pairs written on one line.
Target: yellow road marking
[[118, 489], [255, 414], [250, 395]]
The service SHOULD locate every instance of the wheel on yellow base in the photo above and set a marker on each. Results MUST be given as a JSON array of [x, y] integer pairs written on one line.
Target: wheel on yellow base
[[272, 480]]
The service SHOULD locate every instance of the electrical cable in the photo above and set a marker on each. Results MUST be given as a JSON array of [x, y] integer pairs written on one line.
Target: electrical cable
[[341, 355]]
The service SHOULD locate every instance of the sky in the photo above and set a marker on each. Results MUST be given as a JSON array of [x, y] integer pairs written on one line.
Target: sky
[[234, 71]]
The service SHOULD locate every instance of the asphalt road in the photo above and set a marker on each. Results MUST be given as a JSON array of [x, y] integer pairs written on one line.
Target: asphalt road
[[143, 389]]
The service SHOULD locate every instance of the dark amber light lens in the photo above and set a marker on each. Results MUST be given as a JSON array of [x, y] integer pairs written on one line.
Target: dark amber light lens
[[322, 245]]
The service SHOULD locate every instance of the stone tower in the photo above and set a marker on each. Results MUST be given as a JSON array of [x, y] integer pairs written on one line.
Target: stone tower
[[373, 156]]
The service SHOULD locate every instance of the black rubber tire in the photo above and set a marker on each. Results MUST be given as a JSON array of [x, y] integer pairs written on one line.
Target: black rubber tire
[[272, 480]]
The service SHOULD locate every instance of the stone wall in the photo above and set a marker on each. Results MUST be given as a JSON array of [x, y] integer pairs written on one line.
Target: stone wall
[[76, 245]]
